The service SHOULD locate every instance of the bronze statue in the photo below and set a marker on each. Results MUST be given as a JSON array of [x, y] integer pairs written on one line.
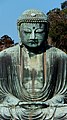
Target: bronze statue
[[33, 74]]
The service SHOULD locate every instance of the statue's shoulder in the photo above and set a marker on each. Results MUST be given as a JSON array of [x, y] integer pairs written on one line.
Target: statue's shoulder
[[56, 53], [10, 51]]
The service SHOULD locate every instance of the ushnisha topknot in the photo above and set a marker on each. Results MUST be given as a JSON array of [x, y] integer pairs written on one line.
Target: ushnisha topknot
[[32, 16]]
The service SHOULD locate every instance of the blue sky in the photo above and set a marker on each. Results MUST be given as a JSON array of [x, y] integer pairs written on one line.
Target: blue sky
[[10, 10]]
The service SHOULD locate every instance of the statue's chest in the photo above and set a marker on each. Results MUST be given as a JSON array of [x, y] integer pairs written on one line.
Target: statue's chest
[[33, 78]]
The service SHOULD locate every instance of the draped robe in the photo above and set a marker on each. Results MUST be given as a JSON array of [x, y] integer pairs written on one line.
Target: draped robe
[[52, 88]]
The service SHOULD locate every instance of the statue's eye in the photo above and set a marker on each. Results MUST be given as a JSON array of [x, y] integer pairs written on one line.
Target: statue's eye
[[27, 31], [39, 30]]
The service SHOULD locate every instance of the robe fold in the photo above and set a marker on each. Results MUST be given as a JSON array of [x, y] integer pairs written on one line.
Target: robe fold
[[13, 83]]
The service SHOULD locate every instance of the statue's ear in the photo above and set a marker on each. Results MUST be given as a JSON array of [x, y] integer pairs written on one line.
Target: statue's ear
[[19, 35], [18, 28]]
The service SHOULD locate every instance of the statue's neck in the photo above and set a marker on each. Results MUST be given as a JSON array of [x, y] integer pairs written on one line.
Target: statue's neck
[[37, 50], [34, 51]]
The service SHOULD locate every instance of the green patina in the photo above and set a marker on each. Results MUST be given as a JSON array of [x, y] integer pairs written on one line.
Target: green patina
[[33, 74]]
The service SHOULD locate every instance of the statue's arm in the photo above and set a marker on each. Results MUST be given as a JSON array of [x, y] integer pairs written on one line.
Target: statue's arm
[[60, 95], [8, 101]]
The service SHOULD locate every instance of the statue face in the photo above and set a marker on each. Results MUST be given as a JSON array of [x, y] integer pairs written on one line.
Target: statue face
[[32, 34]]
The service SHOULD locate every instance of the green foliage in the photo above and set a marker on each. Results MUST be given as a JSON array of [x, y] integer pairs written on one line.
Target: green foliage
[[58, 28], [64, 5]]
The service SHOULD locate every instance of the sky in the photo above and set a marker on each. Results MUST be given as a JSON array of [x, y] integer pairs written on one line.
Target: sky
[[10, 10]]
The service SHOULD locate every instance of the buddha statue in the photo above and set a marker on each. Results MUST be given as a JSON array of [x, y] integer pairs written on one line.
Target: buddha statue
[[33, 74]]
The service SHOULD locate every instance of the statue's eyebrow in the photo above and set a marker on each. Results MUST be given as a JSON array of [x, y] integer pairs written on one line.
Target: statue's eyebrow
[[39, 28], [27, 28]]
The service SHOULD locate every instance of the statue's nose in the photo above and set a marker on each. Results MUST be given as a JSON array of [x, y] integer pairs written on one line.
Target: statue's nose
[[32, 35]]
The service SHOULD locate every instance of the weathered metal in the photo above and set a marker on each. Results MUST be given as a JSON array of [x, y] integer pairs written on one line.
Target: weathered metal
[[33, 84]]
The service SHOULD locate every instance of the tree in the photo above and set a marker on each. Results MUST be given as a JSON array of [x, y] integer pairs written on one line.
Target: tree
[[5, 42], [58, 28], [64, 5]]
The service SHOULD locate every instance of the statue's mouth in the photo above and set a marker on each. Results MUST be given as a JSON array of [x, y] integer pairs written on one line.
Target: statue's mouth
[[33, 41]]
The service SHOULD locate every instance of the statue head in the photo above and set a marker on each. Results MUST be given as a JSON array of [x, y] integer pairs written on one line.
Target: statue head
[[33, 28]]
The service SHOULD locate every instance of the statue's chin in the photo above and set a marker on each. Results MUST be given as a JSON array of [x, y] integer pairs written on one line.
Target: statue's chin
[[32, 45], [36, 48]]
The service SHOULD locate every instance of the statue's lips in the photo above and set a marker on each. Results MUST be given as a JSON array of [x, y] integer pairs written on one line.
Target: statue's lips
[[32, 42], [35, 41]]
